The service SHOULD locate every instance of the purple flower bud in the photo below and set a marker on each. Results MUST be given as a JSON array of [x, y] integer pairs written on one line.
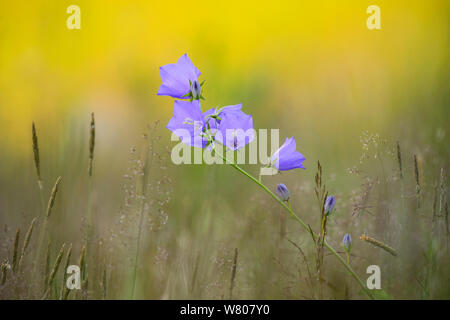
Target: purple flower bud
[[196, 90], [347, 241], [329, 205], [283, 192]]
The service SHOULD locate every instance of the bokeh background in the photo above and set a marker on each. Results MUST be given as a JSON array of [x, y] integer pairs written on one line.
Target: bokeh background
[[309, 68]]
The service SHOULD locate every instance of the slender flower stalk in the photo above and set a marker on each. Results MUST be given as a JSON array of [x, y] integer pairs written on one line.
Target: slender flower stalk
[[303, 224], [207, 129]]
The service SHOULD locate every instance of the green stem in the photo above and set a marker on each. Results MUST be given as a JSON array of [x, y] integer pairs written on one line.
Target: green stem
[[303, 224]]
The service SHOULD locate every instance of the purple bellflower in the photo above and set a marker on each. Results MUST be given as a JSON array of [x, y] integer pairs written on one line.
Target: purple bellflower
[[214, 116], [283, 192], [188, 123], [329, 205], [234, 129], [286, 157], [180, 80], [347, 241]]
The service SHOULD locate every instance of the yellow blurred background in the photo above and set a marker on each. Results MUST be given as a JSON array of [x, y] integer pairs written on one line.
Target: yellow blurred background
[[294, 64], [309, 68]]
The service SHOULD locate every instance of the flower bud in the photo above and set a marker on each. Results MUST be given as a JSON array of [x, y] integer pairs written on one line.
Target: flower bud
[[347, 241], [196, 90], [329, 205], [283, 192]]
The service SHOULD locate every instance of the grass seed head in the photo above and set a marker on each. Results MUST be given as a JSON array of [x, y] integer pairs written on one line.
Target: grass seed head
[[37, 163], [51, 201], [91, 144]]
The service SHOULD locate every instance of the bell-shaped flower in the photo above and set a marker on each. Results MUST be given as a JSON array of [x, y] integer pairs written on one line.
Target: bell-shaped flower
[[188, 123], [180, 80], [234, 129], [214, 116], [287, 157]]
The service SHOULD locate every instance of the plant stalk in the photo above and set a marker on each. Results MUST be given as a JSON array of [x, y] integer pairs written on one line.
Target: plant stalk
[[303, 224]]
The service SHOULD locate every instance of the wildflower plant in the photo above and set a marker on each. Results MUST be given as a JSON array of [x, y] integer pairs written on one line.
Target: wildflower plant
[[230, 127]]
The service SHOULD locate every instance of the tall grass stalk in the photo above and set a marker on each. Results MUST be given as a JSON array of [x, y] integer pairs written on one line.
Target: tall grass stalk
[[51, 276], [66, 265], [16, 251], [233, 272], [47, 263], [416, 174], [90, 170], [26, 241], [321, 195], [37, 164], [44, 226], [55, 268], [302, 224], [147, 165]]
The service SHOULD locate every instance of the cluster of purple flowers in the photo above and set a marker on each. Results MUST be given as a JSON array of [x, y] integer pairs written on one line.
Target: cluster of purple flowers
[[228, 125]]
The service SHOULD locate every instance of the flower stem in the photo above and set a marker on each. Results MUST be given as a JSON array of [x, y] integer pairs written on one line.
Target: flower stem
[[303, 224]]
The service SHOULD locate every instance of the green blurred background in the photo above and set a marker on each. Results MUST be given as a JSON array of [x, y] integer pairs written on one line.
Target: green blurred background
[[310, 68]]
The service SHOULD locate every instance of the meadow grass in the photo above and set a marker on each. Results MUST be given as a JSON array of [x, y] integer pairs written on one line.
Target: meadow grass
[[156, 247]]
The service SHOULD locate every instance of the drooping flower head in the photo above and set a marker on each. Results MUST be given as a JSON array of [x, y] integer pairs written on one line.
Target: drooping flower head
[[235, 130], [347, 241], [214, 116], [286, 157], [283, 192], [188, 123], [232, 127], [329, 205], [180, 80]]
